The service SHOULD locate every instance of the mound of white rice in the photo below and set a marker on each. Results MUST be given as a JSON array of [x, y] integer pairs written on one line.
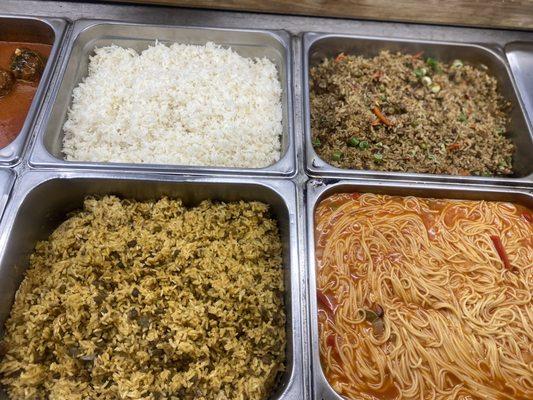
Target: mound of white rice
[[178, 104]]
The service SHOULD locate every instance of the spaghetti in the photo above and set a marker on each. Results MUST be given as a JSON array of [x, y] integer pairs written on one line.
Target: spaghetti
[[424, 298]]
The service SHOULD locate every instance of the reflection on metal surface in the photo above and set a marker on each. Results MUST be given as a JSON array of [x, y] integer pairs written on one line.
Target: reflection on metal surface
[[520, 56]]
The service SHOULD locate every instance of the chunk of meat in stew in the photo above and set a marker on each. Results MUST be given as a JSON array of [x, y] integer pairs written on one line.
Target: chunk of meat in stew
[[27, 65], [7, 81]]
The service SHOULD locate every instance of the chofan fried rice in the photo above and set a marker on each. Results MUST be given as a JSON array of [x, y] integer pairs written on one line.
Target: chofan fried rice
[[409, 113], [150, 300]]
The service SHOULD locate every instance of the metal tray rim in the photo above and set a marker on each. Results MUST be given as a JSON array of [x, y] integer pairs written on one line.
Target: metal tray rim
[[7, 181], [315, 189], [82, 24], [315, 166], [520, 80], [285, 166], [15, 150]]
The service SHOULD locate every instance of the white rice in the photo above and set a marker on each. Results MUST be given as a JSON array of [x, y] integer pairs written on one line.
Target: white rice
[[178, 104]]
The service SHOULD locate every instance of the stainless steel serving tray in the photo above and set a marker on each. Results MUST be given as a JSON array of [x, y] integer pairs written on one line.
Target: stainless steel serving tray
[[520, 56], [39, 30], [7, 177], [317, 46], [317, 190], [88, 34], [42, 200]]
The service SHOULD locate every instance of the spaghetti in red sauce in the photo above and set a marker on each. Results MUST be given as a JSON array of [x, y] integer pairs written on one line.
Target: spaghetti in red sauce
[[417, 299]]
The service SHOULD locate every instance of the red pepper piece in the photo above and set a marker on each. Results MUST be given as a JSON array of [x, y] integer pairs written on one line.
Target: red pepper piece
[[325, 302], [330, 341], [377, 112], [527, 217], [498, 245], [340, 57], [377, 76]]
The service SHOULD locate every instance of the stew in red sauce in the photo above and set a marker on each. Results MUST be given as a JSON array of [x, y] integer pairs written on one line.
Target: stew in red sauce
[[14, 106]]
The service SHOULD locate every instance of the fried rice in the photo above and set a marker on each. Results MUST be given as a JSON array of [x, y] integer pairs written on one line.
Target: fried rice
[[150, 300]]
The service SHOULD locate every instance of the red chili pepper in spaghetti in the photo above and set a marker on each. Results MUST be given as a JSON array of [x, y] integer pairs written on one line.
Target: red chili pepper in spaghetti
[[498, 245], [330, 340], [325, 302], [527, 217]]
